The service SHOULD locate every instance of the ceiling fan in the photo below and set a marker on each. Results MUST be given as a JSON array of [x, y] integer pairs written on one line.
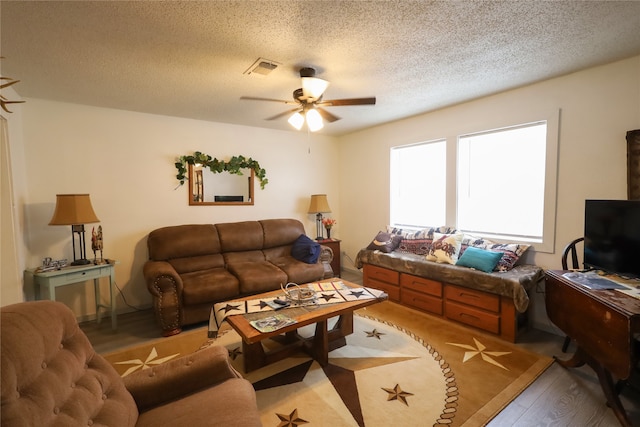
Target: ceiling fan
[[308, 101]]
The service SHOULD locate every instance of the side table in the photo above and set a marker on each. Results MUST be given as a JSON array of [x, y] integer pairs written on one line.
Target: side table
[[78, 274], [334, 244]]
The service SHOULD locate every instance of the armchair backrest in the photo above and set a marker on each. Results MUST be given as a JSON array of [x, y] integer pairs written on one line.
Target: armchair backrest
[[52, 376]]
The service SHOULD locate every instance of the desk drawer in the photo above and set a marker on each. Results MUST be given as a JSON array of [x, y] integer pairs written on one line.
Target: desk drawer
[[392, 290], [422, 301], [379, 273], [76, 277], [472, 297], [470, 316], [420, 284]]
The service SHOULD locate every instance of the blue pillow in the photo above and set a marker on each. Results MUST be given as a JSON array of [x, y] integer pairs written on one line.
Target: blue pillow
[[306, 250], [480, 259]]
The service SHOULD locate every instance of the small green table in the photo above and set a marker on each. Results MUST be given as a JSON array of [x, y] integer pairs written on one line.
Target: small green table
[[78, 274]]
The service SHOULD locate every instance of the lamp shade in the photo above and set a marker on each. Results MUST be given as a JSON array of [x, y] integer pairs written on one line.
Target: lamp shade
[[72, 209], [313, 87], [319, 204], [314, 120]]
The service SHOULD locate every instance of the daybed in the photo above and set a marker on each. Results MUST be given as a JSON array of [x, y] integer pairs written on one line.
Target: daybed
[[191, 267], [52, 376], [494, 301]]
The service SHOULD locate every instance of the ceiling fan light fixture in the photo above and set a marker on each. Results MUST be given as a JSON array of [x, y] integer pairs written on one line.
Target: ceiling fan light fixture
[[296, 120], [314, 120], [313, 87]]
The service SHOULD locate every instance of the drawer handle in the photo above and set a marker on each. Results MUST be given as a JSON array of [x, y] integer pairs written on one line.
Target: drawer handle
[[469, 315], [464, 294]]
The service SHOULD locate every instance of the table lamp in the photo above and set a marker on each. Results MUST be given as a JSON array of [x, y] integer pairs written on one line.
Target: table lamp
[[75, 210], [318, 206]]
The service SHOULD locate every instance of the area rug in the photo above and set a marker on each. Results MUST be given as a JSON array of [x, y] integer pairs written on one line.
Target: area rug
[[399, 367]]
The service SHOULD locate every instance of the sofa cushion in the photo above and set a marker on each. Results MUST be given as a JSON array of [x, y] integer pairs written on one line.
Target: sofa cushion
[[258, 276], [385, 242], [306, 250], [183, 241], [415, 246], [197, 263], [197, 286], [240, 236], [280, 232], [480, 259], [297, 271], [445, 248]]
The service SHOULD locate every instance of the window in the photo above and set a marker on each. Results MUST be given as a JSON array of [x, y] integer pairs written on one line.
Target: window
[[501, 177], [502, 182], [418, 184]]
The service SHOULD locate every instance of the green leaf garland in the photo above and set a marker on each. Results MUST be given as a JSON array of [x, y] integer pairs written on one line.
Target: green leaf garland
[[234, 166]]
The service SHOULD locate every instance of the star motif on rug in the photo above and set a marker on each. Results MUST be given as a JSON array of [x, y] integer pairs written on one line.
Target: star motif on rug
[[148, 362], [374, 334], [229, 307], [480, 349], [291, 420], [396, 393], [234, 353], [328, 297]]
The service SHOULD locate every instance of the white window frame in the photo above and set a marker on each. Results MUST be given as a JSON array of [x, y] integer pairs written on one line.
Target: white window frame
[[547, 243]]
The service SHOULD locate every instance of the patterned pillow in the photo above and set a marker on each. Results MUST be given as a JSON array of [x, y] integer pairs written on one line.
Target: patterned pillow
[[425, 233], [384, 242], [415, 246], [511, 252], [445, 248]]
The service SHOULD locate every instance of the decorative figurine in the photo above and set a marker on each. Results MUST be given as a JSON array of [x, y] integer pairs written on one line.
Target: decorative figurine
[[96, 244]]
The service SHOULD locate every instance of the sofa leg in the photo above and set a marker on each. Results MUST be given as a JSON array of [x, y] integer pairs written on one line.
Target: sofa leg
[[170, 332]]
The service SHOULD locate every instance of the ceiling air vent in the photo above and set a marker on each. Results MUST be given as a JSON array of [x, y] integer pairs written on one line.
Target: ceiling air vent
[[262, 67]]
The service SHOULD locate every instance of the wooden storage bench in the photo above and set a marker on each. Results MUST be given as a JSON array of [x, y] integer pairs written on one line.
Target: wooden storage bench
[[464, 301]]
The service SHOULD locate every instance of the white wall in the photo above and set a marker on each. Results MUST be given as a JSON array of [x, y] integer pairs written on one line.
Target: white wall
[[598, 106], [125, 161]]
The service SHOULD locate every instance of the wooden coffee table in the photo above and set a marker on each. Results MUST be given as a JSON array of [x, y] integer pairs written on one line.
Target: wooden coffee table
[[318, 346]]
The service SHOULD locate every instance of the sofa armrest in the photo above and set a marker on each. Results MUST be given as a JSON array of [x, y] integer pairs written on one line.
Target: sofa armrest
[[179, 377], [165, 285]]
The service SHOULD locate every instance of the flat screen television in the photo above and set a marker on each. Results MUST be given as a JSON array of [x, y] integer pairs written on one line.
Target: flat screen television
[[612, 236]]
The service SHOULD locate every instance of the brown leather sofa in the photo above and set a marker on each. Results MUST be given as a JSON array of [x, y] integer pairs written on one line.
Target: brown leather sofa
[[191, 267], [52, 376]]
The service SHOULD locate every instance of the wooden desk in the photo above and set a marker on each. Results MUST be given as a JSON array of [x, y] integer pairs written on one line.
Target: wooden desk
[[602, 323], [77, 274]]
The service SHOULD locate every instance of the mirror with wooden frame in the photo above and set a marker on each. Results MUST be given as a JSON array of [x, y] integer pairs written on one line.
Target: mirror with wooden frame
[[207, 188]]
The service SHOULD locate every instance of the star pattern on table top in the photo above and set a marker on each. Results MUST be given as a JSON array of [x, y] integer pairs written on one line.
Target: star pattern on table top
[[291, 420], [374, 334], [357, 294], [328, 297], [262, 304], [397, 393], [230, 307], [480, 349], [150, 361]]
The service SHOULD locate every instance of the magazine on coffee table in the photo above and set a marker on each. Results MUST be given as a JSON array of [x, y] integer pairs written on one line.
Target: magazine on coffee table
[[272, 323]]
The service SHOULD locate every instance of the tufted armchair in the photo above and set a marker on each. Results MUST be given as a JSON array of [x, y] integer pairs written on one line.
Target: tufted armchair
[[52, 376]]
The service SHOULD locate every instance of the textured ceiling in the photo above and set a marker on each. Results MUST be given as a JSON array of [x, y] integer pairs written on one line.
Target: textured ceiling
[[187, 59]]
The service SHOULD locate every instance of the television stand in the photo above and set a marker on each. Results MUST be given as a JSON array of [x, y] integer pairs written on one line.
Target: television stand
[[603, 323]]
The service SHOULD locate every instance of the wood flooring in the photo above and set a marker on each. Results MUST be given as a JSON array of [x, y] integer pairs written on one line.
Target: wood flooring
[[559, 397]]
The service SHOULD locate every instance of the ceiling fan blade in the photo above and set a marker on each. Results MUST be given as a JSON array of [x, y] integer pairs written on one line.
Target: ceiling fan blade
[[251, 98], [350, 101], [327, 115], [277, 116]]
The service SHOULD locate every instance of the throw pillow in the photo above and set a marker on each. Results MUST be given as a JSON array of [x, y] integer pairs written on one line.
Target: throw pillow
[[445, 248], [415, 246], [384, 242], [306, 250], [480, 259], [511, 252]]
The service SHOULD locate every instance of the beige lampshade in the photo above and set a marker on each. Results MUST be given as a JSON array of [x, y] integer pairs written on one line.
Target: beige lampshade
[[319, 204], [72, 209]]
